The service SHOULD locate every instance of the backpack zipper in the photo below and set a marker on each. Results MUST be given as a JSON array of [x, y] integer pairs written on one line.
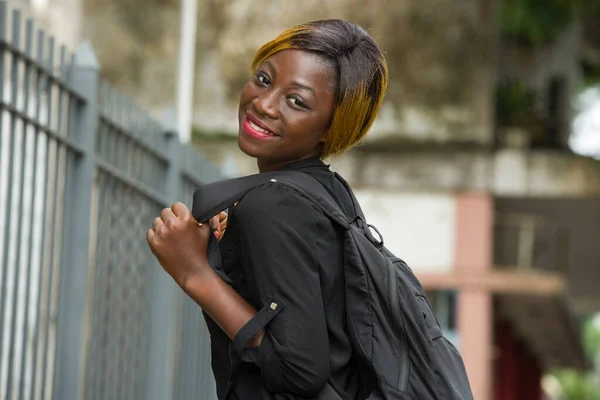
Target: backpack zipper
[[394, 306]]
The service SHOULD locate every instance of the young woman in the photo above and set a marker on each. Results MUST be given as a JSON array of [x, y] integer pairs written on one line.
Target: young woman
[[314, 93]]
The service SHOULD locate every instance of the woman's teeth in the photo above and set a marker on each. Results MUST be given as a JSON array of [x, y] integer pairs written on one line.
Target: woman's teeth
[[258, 128]]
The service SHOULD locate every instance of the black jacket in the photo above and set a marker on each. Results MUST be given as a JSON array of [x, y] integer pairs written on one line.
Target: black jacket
[[280, 249]]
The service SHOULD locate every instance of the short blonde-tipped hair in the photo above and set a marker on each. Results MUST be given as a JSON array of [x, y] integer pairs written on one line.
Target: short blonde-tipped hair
[[361, 74]]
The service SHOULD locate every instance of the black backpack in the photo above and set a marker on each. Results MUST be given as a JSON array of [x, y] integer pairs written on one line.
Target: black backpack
[[393, 329]]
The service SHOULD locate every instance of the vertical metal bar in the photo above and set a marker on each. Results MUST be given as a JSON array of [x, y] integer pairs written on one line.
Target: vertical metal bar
[[185, 342], [19, 217], [103, 250], [141, 345], [29, 269], [9, 200], [102, 134], [113, 132], [61, 93], [111, 283], [52, 266], [100, 284], [127, 268], [117, 162], [181, 344], [57, 201], [122, 155], [200, 352], [161, 358], [93, 362], [193, 343], [53, 232], [19, 201], [69, 373], [109, 286], [199, 362], [140, 311], [40, 79], [3, 24], [116, 299], [100, 382], [136, 154], [129, 145], [134, 245], [143, 163]]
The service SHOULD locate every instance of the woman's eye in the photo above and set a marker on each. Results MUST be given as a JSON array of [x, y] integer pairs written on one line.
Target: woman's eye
[[297, 102], [263, 79]]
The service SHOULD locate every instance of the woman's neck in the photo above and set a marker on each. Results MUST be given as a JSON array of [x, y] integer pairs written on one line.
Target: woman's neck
[[270, 165]]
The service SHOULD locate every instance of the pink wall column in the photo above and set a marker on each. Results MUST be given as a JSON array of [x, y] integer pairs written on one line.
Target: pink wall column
[[473, 257]]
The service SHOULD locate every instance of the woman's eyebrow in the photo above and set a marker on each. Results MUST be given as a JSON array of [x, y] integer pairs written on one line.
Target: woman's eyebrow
[[303, 86], [271, 68]]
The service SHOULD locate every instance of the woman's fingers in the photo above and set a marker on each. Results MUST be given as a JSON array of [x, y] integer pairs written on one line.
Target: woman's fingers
[[167, 214], [180, 209], [218, 224], [157, 223], [223, 221], [214, 223]]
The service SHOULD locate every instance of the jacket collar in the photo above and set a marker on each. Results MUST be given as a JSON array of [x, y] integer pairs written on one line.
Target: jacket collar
[[303, 164]]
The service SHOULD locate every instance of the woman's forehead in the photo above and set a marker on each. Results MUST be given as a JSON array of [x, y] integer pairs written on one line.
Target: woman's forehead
[[294, 66]]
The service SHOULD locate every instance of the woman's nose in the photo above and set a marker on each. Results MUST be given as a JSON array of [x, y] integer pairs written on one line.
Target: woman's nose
[[266, 104]]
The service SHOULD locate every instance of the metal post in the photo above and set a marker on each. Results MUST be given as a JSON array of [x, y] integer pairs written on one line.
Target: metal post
[[164, 293], [72, 301], [187, 65]]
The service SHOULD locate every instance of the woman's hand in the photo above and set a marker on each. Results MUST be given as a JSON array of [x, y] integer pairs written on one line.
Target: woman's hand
[[180, 243], [218, 224]]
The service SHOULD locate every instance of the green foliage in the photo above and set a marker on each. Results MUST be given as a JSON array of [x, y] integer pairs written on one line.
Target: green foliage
[[535, 22], [532, 23], [591, 337], [591, 74], [515, 104], [577, 385]]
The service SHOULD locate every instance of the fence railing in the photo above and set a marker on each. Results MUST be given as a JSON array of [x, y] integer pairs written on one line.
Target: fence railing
[[528, 242], [85, 310]]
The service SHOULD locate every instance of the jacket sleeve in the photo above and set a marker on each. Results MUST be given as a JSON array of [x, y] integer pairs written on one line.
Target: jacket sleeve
[[277, 235]]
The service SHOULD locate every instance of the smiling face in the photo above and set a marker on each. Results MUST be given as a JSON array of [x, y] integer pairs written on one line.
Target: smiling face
[[286, 109]]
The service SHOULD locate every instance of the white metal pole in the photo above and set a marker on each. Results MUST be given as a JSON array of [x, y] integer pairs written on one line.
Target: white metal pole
[[185, 77]]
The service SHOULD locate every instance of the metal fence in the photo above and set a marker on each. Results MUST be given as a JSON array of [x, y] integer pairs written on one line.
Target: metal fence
[[85, 310]]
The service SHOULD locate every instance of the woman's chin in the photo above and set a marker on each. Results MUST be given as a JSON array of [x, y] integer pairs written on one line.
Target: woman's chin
[[244, 146]]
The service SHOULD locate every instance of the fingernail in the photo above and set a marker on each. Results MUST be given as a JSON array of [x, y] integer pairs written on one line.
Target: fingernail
[[216, 234]]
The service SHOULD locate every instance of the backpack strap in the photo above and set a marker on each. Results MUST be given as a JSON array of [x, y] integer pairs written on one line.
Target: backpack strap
[[218, 196], [357, 210], [215, 197], [314, 191]]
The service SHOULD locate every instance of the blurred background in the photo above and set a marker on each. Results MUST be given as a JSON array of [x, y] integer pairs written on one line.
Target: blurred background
[[482, 171]]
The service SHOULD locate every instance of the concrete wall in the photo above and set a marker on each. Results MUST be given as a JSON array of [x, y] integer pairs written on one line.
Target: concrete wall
[[420, 229], [524, 173]]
